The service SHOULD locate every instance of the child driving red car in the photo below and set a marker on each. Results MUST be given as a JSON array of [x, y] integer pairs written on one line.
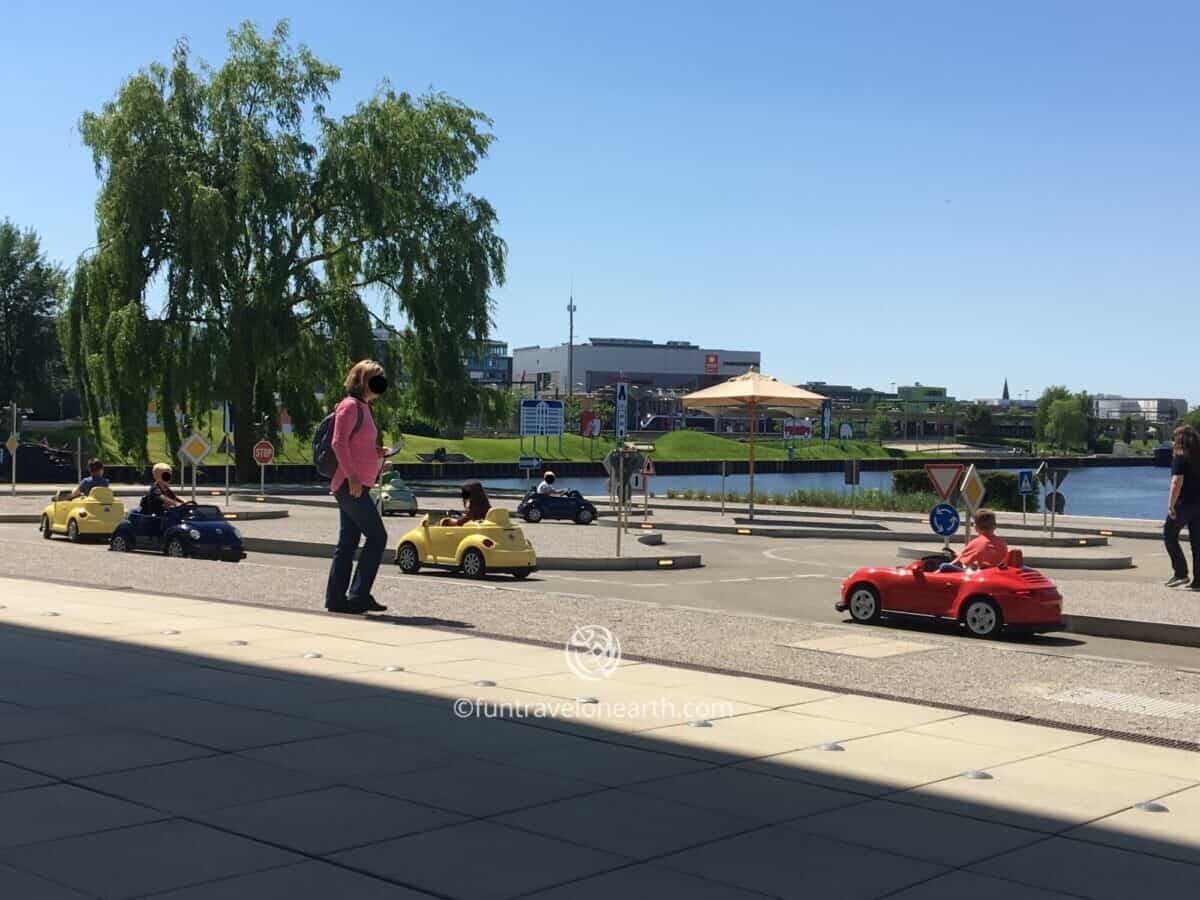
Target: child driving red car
[[985, 549]]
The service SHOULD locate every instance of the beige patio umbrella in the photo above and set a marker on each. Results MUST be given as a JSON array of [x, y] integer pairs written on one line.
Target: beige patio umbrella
[[757, 394]]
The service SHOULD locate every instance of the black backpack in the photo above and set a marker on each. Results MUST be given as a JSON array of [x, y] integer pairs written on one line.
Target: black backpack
[[322, 443]]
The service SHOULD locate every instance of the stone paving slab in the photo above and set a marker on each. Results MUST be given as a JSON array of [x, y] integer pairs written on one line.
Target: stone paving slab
[[394, 791]]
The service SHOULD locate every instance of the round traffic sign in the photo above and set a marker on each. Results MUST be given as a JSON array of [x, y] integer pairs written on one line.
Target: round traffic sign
[[943, 519], [264, 452]]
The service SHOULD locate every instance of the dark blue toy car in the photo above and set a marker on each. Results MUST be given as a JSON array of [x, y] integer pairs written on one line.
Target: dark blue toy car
[[187, 530], [571, 505]]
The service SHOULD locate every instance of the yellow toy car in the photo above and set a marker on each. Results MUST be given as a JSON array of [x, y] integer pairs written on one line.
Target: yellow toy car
[[475, 549], [96, 514]]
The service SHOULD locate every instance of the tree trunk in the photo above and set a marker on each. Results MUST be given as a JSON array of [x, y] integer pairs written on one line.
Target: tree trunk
[[244, 437]]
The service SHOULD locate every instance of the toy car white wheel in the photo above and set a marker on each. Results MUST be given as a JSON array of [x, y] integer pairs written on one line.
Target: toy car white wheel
[[73, 531], [585, 516], [408, 559], [45, 527], [533, 514], [473, 563], [118, 544], [176, 549], [982, 618], [863, 604]]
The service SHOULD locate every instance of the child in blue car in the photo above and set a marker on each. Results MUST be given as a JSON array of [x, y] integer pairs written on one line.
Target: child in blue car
[[95, 478]]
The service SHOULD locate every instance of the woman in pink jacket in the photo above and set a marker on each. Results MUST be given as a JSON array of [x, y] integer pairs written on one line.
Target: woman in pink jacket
[[356, 445]]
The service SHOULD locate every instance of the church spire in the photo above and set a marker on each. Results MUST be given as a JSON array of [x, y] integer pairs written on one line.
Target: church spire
[[1004, 396]]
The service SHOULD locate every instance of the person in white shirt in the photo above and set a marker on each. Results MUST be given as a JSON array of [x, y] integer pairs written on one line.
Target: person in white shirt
[[546, 488]]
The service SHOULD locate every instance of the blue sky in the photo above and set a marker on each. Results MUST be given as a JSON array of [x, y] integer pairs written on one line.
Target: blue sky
[[951, 193]]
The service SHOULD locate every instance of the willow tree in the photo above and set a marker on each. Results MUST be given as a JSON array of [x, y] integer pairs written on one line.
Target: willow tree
[[241, 231]]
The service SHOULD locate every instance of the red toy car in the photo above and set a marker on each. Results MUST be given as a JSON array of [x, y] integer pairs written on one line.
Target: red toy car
[[988, 600]]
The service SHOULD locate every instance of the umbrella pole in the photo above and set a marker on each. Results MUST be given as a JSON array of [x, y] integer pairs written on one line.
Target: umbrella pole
[[753, 427]]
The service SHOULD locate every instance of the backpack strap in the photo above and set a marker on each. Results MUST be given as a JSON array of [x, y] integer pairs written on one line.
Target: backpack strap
[[358, 406]]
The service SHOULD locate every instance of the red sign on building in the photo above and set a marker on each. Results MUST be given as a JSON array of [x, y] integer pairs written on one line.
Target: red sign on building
[[711, 365]]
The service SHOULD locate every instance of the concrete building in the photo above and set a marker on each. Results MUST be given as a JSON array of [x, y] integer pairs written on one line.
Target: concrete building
[[675, 365], [1159, 410], [493, 366], [843, 395]]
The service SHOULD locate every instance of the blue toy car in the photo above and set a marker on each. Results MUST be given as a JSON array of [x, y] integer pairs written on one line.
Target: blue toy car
[[187, 530], [571, 505]]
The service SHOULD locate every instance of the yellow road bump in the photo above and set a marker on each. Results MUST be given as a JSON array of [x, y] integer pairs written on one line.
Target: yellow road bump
[[744, 531], [260, 499], [647, 525], [666, 563], [1106, 533], [231, 515]]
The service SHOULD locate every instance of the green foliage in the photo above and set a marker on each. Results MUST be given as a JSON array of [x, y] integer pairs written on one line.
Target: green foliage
[[978, 420], [1042, 416], [1066, 424], [262, 220], [1192, 418], [1104, 444], [1127, 429], [869, 499], [879, 426], [31, 289]]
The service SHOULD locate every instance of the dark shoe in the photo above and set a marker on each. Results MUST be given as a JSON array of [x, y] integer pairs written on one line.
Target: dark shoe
[[1194, 586], [345, 608], [370, 606], [1176, 581]]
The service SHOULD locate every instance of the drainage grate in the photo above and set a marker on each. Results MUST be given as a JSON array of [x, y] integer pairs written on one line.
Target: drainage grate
[[1129, 703]]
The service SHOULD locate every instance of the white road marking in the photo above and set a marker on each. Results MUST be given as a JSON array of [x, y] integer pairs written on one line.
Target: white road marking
[[733, 580], [772, 578]]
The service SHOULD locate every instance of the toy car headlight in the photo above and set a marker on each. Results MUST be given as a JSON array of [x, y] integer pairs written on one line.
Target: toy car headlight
[[237, 532], [194, 534]]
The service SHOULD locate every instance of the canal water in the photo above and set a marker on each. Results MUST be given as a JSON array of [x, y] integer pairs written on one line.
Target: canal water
[[1126, 492]]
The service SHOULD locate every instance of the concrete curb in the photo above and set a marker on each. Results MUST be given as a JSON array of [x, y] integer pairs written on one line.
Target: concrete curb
[[1130, 630], [546, 563], [1090, 563], [248, 516], [868, 534], [739, 509]]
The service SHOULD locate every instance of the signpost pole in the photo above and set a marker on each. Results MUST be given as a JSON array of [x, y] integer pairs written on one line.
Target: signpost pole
[[1024, 501], [193, 482], [79, 459], [723, 468], [620, 496], [14, 440], [853, 501], [645, 498], [262, 481], [1053, 482], [227, 448]]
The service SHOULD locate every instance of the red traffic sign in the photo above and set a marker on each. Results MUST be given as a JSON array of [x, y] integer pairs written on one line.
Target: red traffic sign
[[648, 467], [264, 452], [944, 477]]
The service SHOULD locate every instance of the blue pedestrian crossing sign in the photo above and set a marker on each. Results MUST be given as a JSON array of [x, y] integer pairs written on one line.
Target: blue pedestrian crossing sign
[[1026, 483], [943, 519]]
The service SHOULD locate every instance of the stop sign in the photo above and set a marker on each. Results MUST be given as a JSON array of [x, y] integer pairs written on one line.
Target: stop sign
[[263, 453]]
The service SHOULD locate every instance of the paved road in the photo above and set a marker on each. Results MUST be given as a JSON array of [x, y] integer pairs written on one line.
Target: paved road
[[792, 580]]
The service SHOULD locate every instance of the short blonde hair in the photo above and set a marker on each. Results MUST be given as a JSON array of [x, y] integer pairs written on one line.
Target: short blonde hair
[[159, 468], [358, 376]]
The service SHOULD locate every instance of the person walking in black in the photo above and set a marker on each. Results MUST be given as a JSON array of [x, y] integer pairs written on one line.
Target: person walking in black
[[1183, 507]]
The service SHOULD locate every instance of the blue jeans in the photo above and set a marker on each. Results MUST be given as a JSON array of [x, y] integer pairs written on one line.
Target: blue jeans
[[357, 516]]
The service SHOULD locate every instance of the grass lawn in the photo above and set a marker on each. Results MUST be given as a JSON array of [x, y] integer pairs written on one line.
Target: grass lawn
[[674, 446]]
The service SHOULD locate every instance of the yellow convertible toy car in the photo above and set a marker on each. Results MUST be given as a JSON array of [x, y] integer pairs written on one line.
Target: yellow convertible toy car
[[96, 514], [475, 549]]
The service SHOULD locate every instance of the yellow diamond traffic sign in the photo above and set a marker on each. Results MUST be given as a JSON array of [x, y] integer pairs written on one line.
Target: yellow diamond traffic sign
[[195, 448], [11, 443], [972, 490]]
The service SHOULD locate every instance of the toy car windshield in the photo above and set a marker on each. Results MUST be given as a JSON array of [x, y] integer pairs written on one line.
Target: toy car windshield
[[204, 514]]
